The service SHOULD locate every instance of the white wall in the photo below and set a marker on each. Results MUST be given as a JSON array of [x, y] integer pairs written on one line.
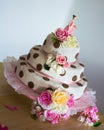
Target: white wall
[[90, 32], [24, 23]]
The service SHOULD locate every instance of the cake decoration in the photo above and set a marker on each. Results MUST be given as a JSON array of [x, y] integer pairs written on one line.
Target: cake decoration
[[53, 78], [65, 36], [3, 127]]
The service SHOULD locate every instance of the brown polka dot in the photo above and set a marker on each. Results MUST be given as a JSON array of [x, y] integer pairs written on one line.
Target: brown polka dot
[[84, 79], [56, 44], [44, 43], [45, 78], [15, 69], [21, 74], [81, 64], [28, 56], [76, 56], [51, 89], [79, 84], [81, 75], [65, 85], [39, 67], [35, 55], [31, 70], [22, 58], [63, 73], [73, 66], [66, 57], [74, 78], [22, 63], [30, 84], [34, 48]]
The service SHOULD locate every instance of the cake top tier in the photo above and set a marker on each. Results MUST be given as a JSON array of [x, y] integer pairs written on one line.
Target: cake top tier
[[63, 42]]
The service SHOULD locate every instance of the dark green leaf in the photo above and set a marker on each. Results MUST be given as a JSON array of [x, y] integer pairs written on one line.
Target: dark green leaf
[[34, 116], [96, 124], [46, 67]]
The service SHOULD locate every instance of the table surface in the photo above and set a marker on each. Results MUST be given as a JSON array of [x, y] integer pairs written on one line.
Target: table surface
[[20, 119]]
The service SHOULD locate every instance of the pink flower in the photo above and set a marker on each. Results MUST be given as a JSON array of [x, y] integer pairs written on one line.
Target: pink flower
[[61, 59], [45, 98], [86, 111], [61, 34], [2, 127], [64, 116], [66, 65], [51, 116], [91, 111], [70, 102]]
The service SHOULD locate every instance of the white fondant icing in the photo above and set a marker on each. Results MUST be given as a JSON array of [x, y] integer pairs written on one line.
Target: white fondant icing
[[40, 84], [70, 72]]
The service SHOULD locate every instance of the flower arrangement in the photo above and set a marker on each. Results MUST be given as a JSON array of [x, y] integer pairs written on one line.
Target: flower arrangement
[[89, 116], [62, 34], [65, 36], [53, 106], [57, 64]]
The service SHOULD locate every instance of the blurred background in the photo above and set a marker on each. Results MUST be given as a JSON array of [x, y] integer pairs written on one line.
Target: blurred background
[[24, 23]]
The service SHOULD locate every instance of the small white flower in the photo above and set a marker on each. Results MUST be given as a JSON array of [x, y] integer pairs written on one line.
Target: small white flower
[[38, 108], [81, 118], [42, 118]]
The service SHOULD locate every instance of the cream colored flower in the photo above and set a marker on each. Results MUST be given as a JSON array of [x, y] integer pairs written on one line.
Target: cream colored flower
[[60, 97]]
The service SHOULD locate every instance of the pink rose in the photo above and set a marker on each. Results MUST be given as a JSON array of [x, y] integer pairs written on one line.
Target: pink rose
[[61, 34], [61, 59], [45, 98], [51, 116], [70, 102]]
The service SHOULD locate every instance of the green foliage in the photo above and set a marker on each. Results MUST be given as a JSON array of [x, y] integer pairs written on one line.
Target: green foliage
[[96, 124]]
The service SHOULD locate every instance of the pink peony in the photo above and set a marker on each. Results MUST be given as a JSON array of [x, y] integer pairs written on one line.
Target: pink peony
[[45, 98], [61, 34], [61, 59], [70, 102], [51, 116]]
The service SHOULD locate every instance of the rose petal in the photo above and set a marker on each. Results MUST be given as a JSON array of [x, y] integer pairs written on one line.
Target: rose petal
[[12, 108], [2, 127]]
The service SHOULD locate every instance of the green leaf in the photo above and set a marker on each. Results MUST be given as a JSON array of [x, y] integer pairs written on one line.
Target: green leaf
[[96, 124], [34, 116], [46, 67], [54, 39]]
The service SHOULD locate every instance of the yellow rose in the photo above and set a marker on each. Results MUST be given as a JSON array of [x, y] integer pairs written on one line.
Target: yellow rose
[[60, 97]]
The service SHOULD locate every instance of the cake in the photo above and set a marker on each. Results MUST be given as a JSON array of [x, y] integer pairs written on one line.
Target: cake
[[41, 64], [53, 72]]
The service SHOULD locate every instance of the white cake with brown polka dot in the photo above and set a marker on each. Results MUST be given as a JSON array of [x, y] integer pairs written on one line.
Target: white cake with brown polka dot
[[54, 65]]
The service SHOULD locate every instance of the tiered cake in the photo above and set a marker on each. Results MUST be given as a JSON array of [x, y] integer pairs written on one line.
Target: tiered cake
[[54, 65], [53, 75]]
